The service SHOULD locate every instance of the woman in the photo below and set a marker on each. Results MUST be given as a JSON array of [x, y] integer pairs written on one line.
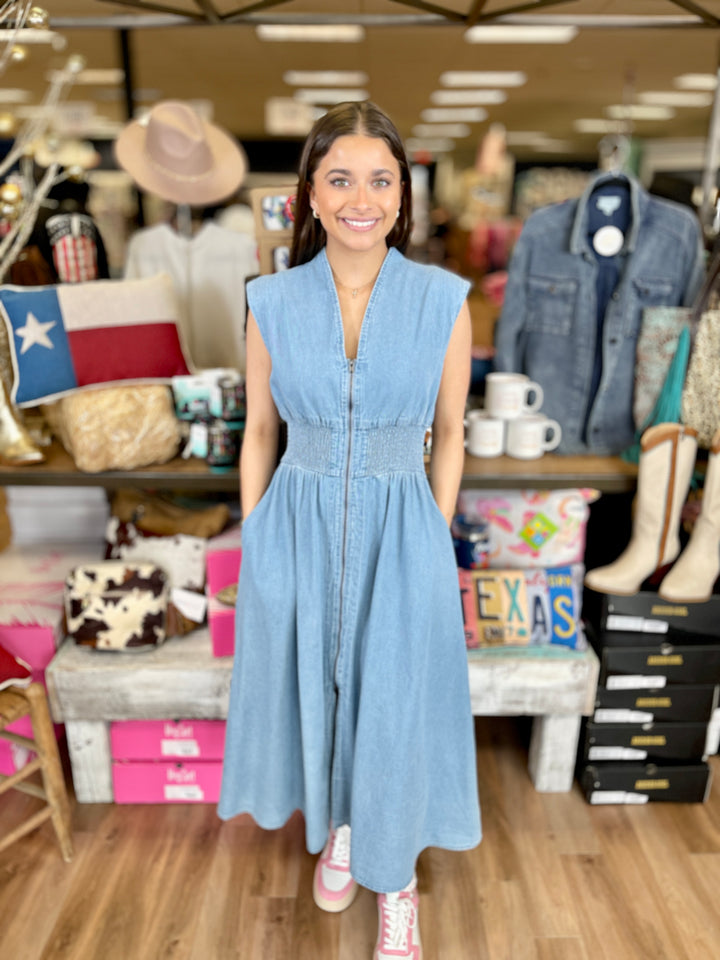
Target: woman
[[350, 693]]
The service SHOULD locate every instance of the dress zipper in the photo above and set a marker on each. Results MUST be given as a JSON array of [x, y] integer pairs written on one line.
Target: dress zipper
[[346, 505]]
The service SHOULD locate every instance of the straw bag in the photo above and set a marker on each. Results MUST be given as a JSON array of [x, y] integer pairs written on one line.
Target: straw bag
[[701, 393], [661, 363]]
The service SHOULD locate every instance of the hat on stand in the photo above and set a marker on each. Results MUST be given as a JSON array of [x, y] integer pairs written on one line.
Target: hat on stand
[[175, 154]]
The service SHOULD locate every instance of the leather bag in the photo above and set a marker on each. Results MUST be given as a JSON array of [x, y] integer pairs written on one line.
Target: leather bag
[[114, 605]]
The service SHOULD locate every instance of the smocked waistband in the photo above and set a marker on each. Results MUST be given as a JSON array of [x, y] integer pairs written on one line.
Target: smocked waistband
[[372, 450]]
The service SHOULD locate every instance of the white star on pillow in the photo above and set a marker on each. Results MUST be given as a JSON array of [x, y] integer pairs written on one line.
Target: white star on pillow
[[35, 332]]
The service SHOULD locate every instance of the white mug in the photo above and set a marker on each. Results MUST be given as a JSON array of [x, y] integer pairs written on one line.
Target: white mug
[[532, 435], [485, 434], [507, 395]]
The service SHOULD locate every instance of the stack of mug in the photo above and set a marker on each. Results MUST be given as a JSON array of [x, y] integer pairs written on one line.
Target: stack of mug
[[510, 422]]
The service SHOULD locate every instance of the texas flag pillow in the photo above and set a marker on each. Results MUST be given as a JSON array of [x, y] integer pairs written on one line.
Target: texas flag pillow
[[102, 332]]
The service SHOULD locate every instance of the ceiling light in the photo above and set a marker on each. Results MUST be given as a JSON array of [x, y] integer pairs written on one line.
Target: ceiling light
[[450, 98], [635, 111], [441, 130], [30, 35], [96, 78], [453, 115], [483, 78], [676, 98], [501, 33], [329, 95], [14, 95], [696, 81], [552, 146], [325, 78], [589, 125], [518, 138], [311, 33], [429, 144]]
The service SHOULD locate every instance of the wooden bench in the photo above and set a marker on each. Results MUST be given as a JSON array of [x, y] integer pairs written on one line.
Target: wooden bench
[[182, 680]]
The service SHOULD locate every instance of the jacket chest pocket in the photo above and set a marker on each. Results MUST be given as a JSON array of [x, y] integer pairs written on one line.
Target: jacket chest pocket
[[551, 304], [655, 292]]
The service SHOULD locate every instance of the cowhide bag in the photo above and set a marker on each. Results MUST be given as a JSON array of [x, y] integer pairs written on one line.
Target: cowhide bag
[[115, 605]]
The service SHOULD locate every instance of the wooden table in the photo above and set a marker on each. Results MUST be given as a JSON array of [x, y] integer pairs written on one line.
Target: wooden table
[[182, 680]]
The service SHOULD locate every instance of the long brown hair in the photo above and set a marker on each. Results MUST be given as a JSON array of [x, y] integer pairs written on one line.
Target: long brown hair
[[346, 119]]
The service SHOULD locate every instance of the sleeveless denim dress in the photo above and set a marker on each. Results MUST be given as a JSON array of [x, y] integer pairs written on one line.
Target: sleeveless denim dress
[[350, 698]]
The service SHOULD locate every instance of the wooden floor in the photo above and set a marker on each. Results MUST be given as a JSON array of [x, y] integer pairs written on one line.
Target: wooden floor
[[554, 879]]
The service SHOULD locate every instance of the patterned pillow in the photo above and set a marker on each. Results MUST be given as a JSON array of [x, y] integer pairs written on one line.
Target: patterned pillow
[[69, 336]]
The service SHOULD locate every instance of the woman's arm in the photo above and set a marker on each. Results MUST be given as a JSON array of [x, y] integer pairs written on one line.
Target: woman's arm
[[262, 423], [448, 436]]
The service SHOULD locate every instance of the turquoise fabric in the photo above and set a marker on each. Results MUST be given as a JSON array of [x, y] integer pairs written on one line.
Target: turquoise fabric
[[350, 697]]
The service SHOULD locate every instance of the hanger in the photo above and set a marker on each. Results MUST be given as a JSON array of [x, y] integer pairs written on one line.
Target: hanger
[[614, 154]]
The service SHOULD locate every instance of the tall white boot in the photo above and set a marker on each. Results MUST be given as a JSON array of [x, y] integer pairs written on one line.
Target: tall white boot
[[667, 459], [692, 578]]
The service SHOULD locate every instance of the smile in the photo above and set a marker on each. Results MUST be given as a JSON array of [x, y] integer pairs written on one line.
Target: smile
[[359, 224]]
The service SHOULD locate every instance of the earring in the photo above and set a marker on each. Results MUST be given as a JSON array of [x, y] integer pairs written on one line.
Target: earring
[[315, 213], [397, 215]]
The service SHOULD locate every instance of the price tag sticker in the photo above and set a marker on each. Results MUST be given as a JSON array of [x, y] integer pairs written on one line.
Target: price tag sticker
[[190, 791], [179, 748]]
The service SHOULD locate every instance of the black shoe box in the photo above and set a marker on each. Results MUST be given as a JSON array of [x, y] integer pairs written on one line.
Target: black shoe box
[[647, 741], [683, 703], [647, 613], [642, 783], [658, 664]]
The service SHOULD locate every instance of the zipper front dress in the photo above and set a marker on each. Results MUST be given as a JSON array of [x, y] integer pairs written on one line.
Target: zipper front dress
[[349, 697]]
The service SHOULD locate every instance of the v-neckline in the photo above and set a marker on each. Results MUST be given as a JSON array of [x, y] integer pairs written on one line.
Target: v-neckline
[[366, 314]]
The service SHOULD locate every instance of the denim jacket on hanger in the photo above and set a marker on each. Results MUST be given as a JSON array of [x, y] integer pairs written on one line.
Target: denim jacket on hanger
[[548, 325]]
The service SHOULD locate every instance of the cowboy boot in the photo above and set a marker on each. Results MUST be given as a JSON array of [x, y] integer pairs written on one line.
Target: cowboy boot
[[692, 578], [16, 444], [667, 459]]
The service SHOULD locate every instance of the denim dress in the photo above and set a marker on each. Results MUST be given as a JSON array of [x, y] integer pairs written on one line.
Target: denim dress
[[350, 698]]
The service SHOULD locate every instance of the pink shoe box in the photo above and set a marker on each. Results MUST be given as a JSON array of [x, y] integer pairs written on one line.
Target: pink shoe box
[[31, 598], [34, 644], [221, 622], [222, 560], [167, 739], [145, 781], [13, 756]]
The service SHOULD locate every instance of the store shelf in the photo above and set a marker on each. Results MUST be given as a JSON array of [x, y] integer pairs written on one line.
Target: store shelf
[[607, 474], [59, 470], [552, 471]]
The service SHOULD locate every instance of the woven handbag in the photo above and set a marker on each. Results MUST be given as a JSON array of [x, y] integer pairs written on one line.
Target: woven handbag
[[701, 392], [657, 347]]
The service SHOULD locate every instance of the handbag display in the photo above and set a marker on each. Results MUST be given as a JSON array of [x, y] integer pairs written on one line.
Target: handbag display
[[181, 557], [668, 387], [115, 605], [701, 393], [657, 345]]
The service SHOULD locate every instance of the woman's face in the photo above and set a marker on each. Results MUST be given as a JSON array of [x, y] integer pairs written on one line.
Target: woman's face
[[356, 191]]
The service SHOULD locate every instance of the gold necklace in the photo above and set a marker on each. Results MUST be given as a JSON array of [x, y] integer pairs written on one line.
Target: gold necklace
[[354, 291]]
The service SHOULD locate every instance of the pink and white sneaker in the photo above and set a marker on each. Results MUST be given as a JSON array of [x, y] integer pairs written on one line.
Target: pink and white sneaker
[[333, 886], [398, 929]]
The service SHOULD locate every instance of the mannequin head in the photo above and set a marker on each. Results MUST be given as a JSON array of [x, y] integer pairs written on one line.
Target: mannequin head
[[346, 119]]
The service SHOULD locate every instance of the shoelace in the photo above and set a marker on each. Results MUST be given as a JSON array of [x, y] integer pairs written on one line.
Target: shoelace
[[398, 918], [340, 853]]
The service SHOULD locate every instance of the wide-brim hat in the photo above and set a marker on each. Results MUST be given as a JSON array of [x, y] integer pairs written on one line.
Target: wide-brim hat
[[177, 155]]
